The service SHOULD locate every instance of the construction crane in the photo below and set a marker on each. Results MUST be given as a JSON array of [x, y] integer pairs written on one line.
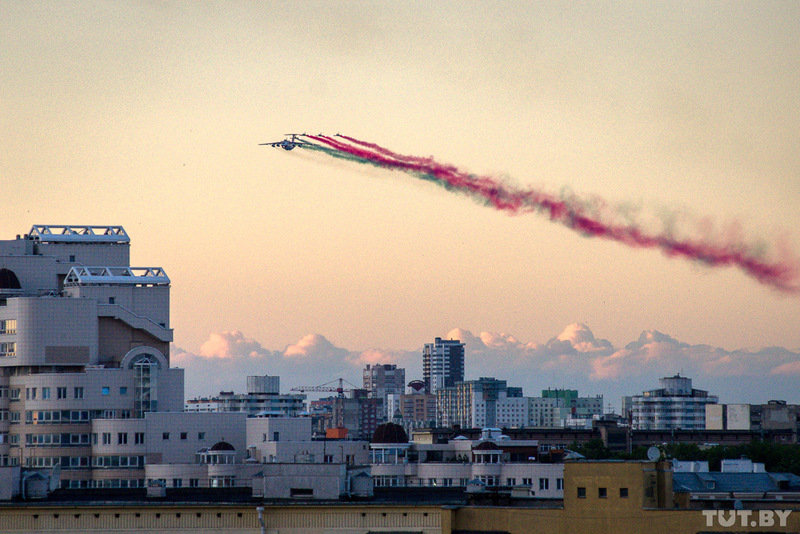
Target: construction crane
[[339, 390]]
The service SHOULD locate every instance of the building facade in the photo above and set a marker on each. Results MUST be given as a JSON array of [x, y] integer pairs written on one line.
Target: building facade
[[442, 364], [83, 337], [486, 402], [673, 406], [382, 380], [263, 396], [493, 460]]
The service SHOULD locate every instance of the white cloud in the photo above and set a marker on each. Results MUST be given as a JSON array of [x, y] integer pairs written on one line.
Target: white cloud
[[575, 358]]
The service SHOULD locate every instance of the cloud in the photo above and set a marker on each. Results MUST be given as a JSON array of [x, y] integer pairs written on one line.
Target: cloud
[[313, 347], [575, 358], [231, 344]]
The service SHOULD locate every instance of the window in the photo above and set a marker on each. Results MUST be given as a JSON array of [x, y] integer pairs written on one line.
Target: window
[[165, 436], [123, 390], [106, 438], [8, 326], [201, 436], [61, 393], [78, 392], [602, 493], [544, 483], [138, 438], [105, 390], [45, 393], [559, 483], [111, 300], [581, 493], [30, 393], [511, 482], [276, 436], [623, 493], [125, 414], [177, 482], [72, 258], [122, 438], [183, 435], [328, 459], [194, 482]]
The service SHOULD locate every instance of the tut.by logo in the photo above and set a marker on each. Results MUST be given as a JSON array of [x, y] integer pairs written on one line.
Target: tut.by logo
[[746, 518]]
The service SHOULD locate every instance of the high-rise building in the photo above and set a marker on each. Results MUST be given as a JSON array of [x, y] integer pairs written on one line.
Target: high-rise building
[[675, 405], [359, 414], [442, 364], [486, 402], [83, 337], [382, 380], [557, 406]]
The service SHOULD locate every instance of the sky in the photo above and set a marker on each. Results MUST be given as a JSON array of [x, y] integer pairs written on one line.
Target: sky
[[150, 115]]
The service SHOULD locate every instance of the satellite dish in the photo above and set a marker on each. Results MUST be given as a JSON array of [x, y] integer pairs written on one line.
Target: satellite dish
[[653, 454]]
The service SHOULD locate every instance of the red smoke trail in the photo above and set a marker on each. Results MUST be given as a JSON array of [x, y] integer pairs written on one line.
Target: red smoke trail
[[782, 275]]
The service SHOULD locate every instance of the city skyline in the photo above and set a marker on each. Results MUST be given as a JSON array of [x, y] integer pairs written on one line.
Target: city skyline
[[149, 116]]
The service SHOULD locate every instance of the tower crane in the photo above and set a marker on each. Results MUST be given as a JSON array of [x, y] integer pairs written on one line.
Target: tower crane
[[339, 390]]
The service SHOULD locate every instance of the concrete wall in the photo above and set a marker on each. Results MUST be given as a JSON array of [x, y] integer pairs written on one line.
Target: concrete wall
[[52, 331]]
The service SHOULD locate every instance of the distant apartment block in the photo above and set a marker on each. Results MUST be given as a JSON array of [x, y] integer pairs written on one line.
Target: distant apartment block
[[263, 397], [442, 364], [673, 406], [359, 414], [486, 402], [382, 380], [562, 407], [494, 460], [775, 416]]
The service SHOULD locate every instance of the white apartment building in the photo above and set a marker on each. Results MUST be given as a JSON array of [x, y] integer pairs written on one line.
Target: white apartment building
[[494, 460], [559, 410], [263, 396], [289, 440], [84, 337], [486, 402], [227, 450], [123, 449], [675, 405]]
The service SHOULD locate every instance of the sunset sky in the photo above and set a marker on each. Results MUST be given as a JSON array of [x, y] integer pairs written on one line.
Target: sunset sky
[[149, 115]]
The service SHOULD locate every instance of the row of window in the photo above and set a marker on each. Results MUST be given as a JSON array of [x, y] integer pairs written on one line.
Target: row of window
[[31, 393], [201, 436], [65, 439], [602, 493], [8, 349], [60, 392], [54, 417], [122, 438], [386, 481], [77, 462], [8, 461], [8, 326], [111, 483]]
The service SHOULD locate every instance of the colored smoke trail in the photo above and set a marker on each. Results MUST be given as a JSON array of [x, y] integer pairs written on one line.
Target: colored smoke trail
[[590, 218]]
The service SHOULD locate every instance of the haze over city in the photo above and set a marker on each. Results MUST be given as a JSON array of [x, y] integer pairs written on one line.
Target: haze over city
[[149, 115]]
